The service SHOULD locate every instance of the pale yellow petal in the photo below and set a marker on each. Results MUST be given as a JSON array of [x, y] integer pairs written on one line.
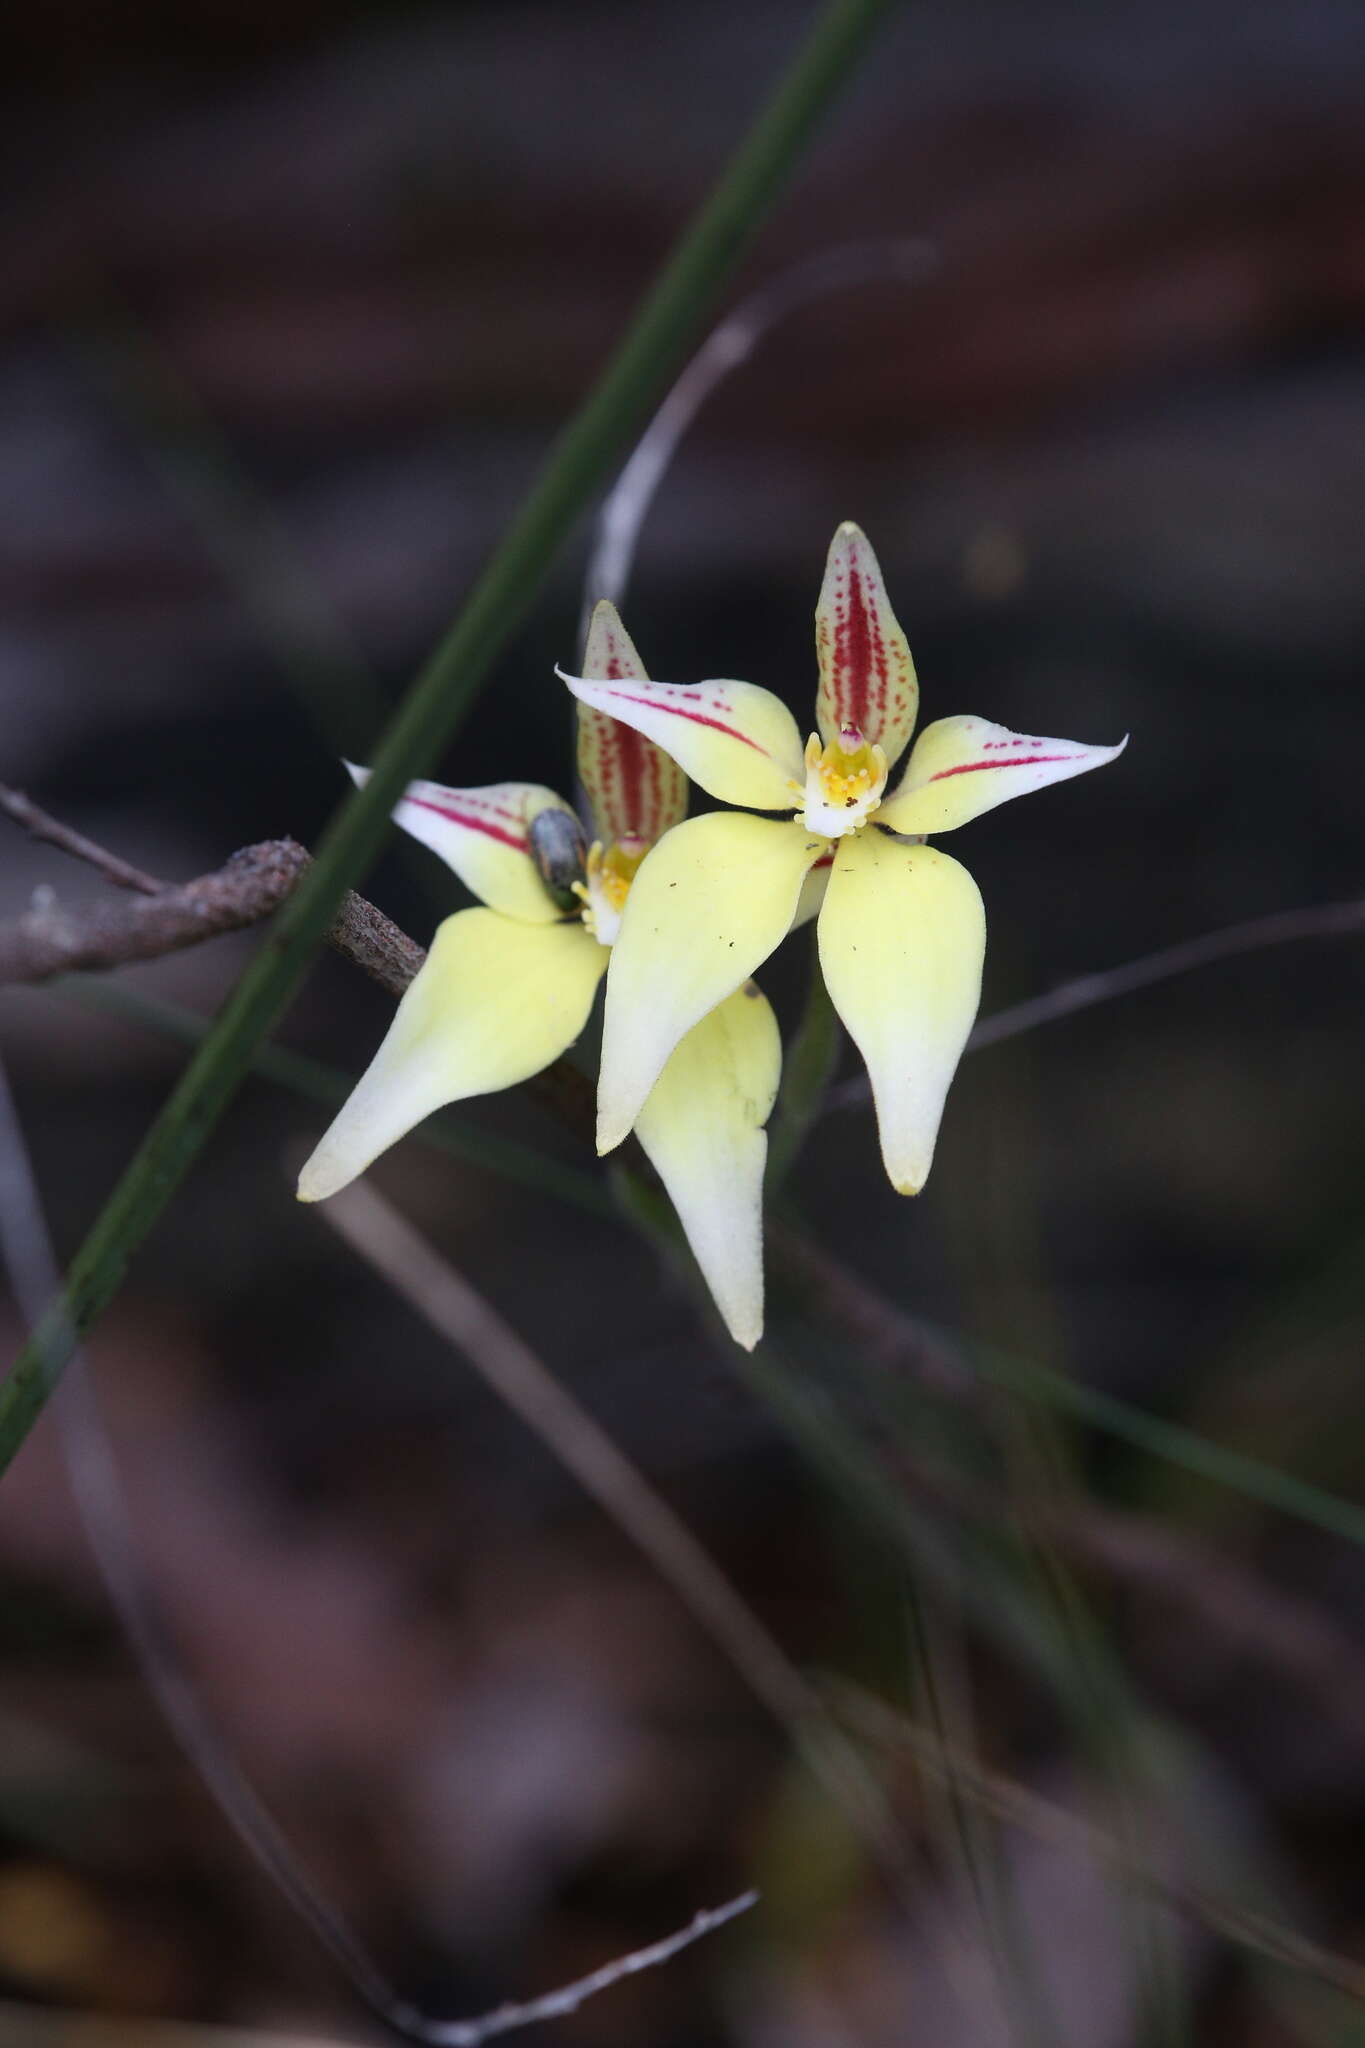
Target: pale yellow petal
[[961, 767], [867, 679], [813, 891], [636, 790], [736, 741], [481, 834], [495, 1001], [902, 939], [712, 900], [702, 1127]]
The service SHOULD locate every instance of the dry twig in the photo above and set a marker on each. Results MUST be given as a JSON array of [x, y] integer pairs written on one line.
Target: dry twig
[[50, 939], [40, 824]]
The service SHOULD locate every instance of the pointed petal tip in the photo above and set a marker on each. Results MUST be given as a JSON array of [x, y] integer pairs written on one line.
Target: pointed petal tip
[[610, 1134], [327, 1170]]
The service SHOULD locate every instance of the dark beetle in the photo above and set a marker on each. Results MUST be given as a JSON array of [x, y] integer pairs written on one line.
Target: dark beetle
[[559, 849]]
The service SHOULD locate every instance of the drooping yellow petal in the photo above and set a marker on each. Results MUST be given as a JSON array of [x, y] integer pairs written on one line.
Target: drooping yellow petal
[[703, 1129], [902, 938], [636, 790], [495, 1001], [961, 767], [481, 834], [712, 900], [736, 741], [867, 679]]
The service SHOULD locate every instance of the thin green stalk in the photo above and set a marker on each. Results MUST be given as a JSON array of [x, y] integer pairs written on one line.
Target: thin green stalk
[[443, 693], [1174, 1443]]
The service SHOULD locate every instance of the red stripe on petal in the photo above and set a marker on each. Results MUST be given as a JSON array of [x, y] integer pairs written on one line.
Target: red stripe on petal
[[473, 822], [867, 679], [636, 790], [858, 657], [692, 717], [1021, 761]]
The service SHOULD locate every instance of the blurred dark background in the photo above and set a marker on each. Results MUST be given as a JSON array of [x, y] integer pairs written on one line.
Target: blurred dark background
[[294, 298]]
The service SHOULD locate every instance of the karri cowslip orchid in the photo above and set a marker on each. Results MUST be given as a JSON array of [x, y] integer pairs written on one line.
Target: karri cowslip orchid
[[902, 932], [508, 987]]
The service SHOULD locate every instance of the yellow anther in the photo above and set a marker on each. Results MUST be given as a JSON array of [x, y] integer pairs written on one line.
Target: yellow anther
[[844, 782], [610, 872]]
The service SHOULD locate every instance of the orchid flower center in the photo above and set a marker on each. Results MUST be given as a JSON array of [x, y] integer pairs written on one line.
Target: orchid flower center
[[610, 872], [844, 783]]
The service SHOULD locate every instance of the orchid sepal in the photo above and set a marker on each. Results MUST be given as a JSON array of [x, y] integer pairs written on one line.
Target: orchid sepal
[[635, 788], [902, 938], [867, 678], [737, 741], [702, 1129], [483, 835], [961, 767], [711, 902], [494, 1002]]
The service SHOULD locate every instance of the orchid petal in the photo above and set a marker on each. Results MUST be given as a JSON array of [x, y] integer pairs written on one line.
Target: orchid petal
[[813, 891], [736, 741], [712, 900], [636, 790], [867, 679], [481, 834], [961, 767], [902, 938], [495, 1001], [702, 1128]]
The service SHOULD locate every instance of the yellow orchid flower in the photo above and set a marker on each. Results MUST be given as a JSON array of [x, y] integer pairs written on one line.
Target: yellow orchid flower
[[508, 987], [902, 932]]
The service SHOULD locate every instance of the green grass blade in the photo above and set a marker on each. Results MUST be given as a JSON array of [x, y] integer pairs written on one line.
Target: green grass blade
[[1174, 1443], [443, 693]]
